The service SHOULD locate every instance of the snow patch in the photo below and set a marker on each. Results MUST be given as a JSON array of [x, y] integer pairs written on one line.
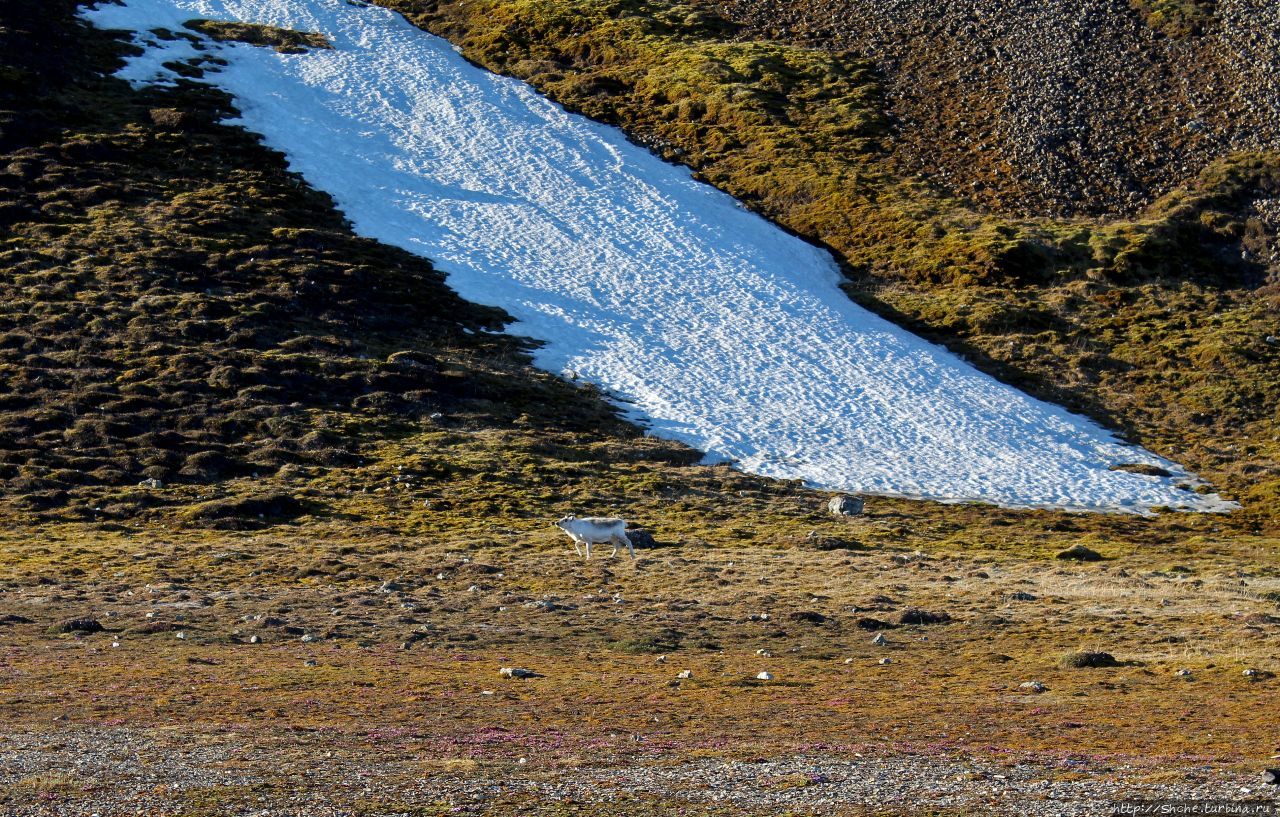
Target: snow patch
[[706, 323]]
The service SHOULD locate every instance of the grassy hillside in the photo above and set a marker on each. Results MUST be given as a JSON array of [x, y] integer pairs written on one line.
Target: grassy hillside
[[1157, 325]]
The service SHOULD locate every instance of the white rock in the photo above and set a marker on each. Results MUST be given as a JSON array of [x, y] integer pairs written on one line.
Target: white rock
[[886, 661], [516, 672], [879, 640], [764, 676], [1034, 687], [684, 674]]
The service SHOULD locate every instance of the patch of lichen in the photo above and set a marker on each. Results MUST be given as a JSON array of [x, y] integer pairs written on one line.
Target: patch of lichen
[[284, 40], [1177, 18], [1154, 325]]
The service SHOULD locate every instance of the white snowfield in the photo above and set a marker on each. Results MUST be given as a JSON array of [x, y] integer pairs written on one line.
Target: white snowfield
[[706, 323]]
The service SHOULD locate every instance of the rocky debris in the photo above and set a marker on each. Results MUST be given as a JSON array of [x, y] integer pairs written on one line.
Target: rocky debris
[[845, 506], [1088, 659], [517, 672], [131, 771], [80, 625], [1033, 687], [1019, 595], [1053, 107], [391, 586], [879, 640], [151, 483], [914, 615], [1080, 553], [764, 676]]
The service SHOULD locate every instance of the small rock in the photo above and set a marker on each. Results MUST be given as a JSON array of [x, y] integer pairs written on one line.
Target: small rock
[[764, 676], [684, 674], [310, 662], [1034, 687], [152, 483], [661, 659], [1250, 673], [1080, 553], [390, 587], [308, 638], [182, 635], [845, 506], [886, 661], [1183, 673], [255, 639], [1019, 595], [879, 640], [517, 672]]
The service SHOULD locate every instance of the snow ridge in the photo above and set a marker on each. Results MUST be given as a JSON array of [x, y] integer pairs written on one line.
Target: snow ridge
[[706, 323]]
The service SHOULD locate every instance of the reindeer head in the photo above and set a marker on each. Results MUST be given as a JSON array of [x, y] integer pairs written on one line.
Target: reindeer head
[[564, 520]]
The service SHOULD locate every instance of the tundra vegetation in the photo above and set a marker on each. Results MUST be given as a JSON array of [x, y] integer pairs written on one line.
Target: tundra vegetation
[[226, 417]]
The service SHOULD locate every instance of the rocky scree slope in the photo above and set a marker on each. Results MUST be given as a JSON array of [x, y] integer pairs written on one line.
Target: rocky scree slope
[[1057, 107]]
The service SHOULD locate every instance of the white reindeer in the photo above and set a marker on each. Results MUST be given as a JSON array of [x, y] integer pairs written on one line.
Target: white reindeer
[[592, 529]]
